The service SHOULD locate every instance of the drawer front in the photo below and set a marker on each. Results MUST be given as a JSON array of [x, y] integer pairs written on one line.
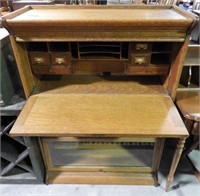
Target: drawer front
[[39, 58], [95, 66], [60, 70], [140, 59], [41, 70], [61, 59], [147, 70], [48, 70]]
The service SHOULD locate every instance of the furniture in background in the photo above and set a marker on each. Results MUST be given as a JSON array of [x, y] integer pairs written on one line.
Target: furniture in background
[[188, 97], [161, 2], [196, 5], [195, 35], [188, 105], [17, 4], [20, 159], [92, 83]]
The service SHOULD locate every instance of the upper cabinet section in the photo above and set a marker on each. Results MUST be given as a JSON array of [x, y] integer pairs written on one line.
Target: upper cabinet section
[[99, 23]]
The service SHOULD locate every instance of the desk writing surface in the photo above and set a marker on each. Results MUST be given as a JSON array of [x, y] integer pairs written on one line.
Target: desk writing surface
[[100, 115], [101, 85]]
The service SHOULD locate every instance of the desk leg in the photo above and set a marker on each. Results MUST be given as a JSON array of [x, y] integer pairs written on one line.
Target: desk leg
[[158, 149], [175, 161]]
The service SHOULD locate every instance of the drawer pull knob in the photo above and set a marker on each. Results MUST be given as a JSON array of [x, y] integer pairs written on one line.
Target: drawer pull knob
[[60, 60], [39, 60], [139, 60]]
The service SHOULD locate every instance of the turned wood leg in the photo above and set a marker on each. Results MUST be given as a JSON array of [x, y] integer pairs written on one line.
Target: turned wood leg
[[175, 161], [158, 149]]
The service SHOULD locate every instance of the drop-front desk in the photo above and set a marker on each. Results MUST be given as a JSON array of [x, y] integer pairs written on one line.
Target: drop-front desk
[[100, 83]]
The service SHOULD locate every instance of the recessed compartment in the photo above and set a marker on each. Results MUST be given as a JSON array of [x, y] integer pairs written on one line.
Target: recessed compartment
[[102, 50], [37, 46], [162, 47], [58, 46], [161, 58]]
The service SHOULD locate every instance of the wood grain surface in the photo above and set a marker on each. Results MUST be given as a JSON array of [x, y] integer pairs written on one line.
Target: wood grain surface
[[100, 115]]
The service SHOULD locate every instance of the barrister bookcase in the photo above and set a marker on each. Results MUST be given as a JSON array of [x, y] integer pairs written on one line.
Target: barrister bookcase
[[100, 83]]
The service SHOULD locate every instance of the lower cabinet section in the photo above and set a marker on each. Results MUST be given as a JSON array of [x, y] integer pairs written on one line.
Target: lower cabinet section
[[102, 161]]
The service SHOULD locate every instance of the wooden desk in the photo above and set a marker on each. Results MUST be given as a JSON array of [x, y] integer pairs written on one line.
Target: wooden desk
[[107, 118], [100, 115]]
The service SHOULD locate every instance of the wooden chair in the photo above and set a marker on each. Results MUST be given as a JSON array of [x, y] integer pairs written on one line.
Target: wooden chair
[[188, 105]]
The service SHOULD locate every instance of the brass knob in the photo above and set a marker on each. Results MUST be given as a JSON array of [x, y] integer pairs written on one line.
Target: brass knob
[[60, 60], [39, 60], [139, 60]]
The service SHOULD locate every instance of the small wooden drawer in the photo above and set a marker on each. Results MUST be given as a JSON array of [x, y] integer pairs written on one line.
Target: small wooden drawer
[[61, 59], [141, 46], [60, 70], [56, 70], [147, 70], [41, 70], [140, 59], [39, 58]]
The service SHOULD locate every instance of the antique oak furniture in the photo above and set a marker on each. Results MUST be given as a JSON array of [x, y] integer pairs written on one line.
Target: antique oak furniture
[[188, 104], [100, 83]]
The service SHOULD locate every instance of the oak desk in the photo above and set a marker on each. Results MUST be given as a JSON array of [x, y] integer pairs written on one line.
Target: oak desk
[[100, 83]]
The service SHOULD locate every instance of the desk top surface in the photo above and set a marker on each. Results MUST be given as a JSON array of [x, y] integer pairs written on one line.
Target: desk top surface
[[100, 115], [100, 14], [99, 23]]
